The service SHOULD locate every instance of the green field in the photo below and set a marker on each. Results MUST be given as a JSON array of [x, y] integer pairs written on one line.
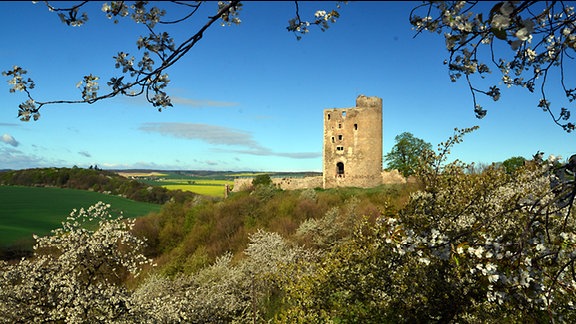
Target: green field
[[31, 210]]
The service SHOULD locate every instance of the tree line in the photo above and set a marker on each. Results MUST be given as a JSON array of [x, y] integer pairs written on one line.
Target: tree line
[[93, 179]]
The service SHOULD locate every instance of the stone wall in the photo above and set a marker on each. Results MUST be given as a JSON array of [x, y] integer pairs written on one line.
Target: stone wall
[[392, 177], [289, 183], [285, 183]]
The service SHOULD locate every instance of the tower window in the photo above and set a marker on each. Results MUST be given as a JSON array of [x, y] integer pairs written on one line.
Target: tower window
[[339, 148], [328, 116], [340, 169], [340, 137], [344, 114], [339, 125], [332, 139], [355, 126]]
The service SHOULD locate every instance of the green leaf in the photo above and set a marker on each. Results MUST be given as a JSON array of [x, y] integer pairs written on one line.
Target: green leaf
[[499, 33]]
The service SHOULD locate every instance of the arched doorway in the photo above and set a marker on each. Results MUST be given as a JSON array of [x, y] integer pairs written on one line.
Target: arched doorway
[[340, 169]]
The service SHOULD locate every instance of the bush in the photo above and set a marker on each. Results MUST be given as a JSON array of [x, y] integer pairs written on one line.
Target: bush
[[467, 248], [261, 179]]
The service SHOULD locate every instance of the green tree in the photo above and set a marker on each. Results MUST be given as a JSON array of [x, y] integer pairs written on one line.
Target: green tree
[[406, 153], [513, 163], [262, 179]]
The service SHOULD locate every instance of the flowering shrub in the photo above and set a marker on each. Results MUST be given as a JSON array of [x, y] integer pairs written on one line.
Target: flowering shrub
[[467, 248], [76, 274], [223, 292]]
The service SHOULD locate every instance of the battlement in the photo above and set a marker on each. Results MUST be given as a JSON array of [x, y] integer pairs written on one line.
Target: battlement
[[368, 102]]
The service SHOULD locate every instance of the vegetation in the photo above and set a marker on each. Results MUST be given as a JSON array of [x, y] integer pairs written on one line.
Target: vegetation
[[76, 274], [92, 179], [34, 210], [406, 153], [526, 42], [262, 180], [456, 247], [212, 190], [514, 163]]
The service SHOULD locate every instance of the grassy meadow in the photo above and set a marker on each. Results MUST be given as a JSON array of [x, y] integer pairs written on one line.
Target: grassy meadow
[[37, 210]]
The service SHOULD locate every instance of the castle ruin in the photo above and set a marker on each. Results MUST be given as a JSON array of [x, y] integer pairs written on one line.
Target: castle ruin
[[352, 151]]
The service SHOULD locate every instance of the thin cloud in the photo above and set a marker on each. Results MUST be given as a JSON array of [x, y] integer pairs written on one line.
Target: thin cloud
[[219, 135], [84, 153], [9, 124], [207, 133], [11, 158], [195, 103], [291, 155], [9, 139]]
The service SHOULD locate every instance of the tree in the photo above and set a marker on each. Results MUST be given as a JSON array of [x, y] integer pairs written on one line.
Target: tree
[[406, 153], [513, 163], [541, 36], [262, 179]]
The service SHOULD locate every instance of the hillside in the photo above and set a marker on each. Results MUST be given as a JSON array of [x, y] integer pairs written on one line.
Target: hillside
[[38, 210], [96, 180], [184, 237]]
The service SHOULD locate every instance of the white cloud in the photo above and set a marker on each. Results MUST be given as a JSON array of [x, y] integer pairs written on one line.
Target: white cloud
[[11, 158], [9, 139], [207, 133], [195, 103], [219, 135]]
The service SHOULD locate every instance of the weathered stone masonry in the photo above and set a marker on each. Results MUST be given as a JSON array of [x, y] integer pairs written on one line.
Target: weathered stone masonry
[[352, 151], [353, 145]]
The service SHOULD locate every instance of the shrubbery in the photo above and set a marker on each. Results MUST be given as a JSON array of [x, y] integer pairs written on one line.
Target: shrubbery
[[466, 247]]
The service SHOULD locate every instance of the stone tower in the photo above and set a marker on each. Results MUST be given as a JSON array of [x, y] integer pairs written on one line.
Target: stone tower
[[353, 145]]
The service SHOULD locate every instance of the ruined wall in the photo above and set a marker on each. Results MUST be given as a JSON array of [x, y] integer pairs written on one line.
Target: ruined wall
[[286, 183], [352, 150], [298, 183], [392, 177]]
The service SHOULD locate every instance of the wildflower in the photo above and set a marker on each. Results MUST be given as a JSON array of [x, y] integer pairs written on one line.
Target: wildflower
[[320, 13], [500, 22]]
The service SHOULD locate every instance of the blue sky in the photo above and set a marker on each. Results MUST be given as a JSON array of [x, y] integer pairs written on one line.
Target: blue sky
[[250, 97]]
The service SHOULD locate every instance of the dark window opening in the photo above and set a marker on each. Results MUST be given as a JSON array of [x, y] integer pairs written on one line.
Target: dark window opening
[[339, 148], [340, 169], [340, 137], [332, 139], [355, 126], [328, 116], [339, 125]]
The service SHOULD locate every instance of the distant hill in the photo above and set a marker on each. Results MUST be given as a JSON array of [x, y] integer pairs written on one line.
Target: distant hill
[[216, 175]]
